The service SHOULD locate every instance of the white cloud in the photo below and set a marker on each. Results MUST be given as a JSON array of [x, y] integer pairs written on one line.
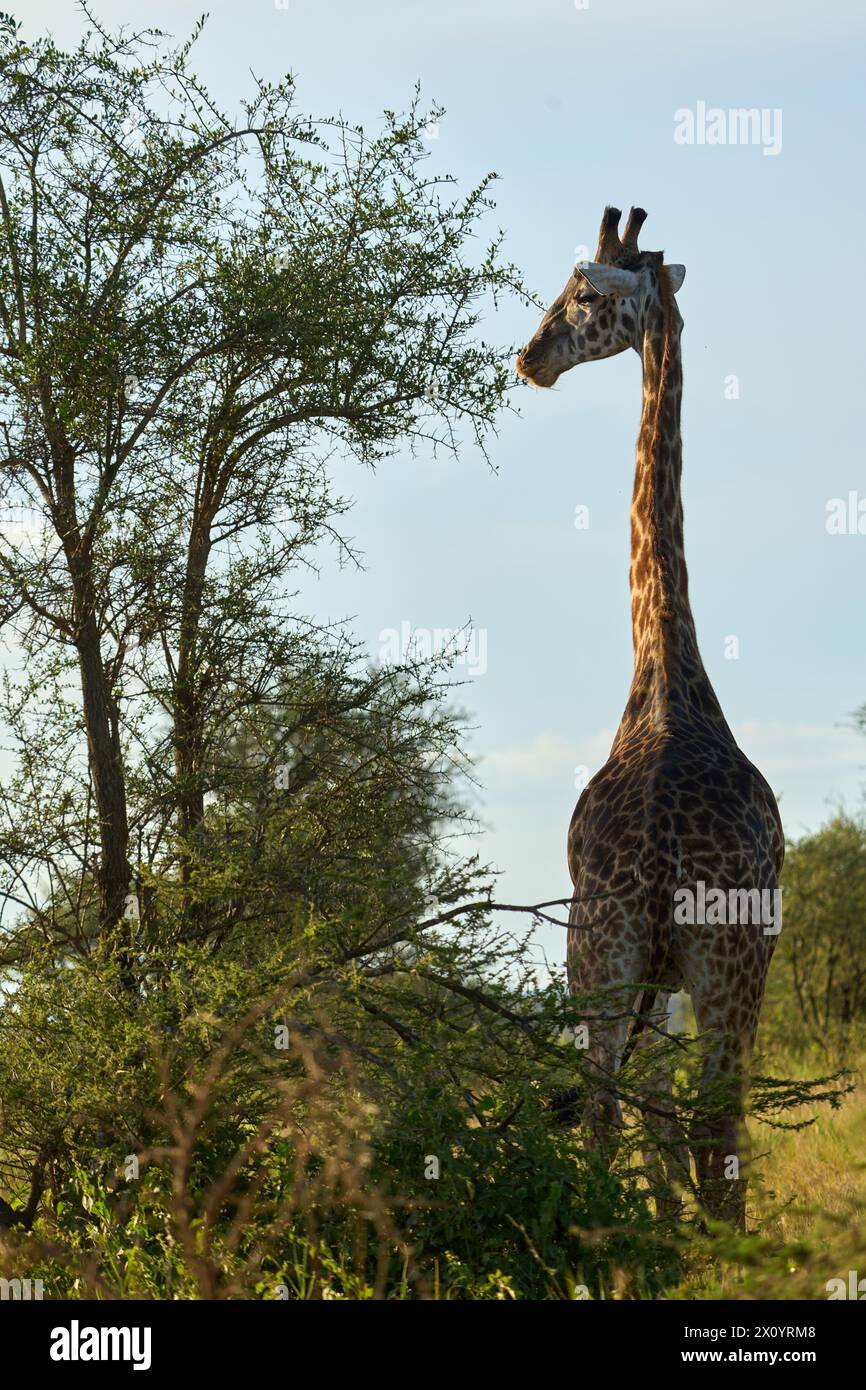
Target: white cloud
[[777, 747], [548, 757]]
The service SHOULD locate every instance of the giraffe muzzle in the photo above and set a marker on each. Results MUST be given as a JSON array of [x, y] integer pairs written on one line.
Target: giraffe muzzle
[[531, 367]]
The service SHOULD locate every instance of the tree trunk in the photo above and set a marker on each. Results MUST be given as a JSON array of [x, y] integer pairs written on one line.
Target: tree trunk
[[106, 769], [188, 734]]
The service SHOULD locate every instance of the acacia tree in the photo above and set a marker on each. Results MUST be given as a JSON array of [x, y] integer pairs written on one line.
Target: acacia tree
[[195, 309], [822, 949]]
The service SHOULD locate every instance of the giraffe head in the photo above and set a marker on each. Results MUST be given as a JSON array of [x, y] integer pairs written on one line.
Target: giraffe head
[[603, 308]]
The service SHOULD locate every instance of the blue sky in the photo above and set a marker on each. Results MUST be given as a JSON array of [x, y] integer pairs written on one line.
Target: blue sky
[[575, 108]]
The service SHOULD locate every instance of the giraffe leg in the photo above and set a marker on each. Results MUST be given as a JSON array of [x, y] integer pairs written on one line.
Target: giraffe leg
[[603, 1111], [718, 1137], [725, 968], [593, 1103], [606, 968], [666, 1153]]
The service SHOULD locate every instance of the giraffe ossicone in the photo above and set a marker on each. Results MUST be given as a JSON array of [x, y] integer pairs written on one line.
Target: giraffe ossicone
[[677, 802]]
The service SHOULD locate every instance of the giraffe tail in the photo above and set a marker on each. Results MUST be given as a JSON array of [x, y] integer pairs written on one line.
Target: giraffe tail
[[658, 913], [645, 1004]]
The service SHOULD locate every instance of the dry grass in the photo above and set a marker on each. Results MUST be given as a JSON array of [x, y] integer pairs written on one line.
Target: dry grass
[[807, 1208], [815, 1175]]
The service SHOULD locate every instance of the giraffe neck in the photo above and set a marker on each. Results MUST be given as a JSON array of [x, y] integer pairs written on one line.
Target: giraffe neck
[[669, 676]]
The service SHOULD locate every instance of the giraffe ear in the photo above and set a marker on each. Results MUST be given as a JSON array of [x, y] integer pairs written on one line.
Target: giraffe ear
[[676, 274], [608, 279]]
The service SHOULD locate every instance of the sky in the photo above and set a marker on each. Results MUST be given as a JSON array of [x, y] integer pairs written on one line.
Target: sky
[[576, 106]]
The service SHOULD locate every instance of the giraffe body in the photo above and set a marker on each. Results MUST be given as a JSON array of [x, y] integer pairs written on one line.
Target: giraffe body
[[677, 804]]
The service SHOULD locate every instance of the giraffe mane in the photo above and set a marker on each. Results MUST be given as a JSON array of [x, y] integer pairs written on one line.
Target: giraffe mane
[[667, 298]]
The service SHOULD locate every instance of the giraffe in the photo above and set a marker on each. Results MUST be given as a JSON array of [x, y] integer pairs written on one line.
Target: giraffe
[[677, 805]]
